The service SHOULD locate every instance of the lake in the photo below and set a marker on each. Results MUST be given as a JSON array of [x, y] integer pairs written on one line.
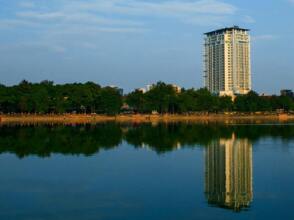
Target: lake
[[147, 171]]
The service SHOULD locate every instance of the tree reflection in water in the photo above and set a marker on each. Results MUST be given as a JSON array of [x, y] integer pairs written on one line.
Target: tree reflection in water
[[228, 148], [163, 137]]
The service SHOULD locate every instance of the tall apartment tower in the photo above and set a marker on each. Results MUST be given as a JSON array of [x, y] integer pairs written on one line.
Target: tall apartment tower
[[227, 68]]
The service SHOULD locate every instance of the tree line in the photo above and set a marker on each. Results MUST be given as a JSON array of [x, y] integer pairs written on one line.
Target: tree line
[[164, 98], [46, 97]]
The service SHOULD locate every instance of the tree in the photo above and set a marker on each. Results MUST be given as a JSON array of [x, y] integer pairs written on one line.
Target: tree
[[46, 97], [161, 98], [205, 101], [248, 102], [187, 101], [110, 101], [136, 100], [225, 103]]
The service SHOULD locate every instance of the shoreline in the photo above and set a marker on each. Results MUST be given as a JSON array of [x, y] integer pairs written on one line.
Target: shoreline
[[142, 118]]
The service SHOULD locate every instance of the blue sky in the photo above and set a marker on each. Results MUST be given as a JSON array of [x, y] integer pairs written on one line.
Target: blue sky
[[131, 43]]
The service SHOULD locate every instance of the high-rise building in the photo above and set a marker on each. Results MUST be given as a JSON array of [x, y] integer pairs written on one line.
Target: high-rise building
[[287, 92], [228, 173], [227, 68]]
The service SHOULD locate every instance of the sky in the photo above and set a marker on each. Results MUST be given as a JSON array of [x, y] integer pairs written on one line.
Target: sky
[[132, 43]]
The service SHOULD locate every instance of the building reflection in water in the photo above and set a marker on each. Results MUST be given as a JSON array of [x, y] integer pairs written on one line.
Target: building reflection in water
[[228, 173]]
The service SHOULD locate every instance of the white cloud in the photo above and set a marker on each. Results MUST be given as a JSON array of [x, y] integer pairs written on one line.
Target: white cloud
[[123, 30], [204, 20], [182, 10], [89, 45], [12, 23], [75, 18], [264, 37], [248, 19], [59, 22], [91, 12], [40, 15], [57, 48], [159, 8], [52, 47], [102, 15], [27, 4]]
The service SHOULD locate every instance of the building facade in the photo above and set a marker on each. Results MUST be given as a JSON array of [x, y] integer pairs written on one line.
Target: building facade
[[287, 92], [227, 67]]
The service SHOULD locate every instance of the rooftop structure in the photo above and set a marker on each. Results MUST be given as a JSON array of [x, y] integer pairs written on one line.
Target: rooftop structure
[[224, 30]]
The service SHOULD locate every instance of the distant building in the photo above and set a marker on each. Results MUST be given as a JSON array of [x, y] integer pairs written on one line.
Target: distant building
[[227, 68], [120, 90], [177, 88], [149, 87], [287, 92], [143, 90]]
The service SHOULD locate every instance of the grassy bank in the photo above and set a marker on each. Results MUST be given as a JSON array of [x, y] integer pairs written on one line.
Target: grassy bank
[[86, 118]]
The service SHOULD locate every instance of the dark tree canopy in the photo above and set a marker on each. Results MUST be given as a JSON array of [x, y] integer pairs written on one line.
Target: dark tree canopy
[[46, 97]]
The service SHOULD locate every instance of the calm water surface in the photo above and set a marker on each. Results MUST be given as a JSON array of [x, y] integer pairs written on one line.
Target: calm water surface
[[147, 171]]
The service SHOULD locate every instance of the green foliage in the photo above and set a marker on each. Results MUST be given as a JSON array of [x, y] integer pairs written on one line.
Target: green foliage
[[161, 98], [136, 100], [110, 101], [225, 103], [252, 103], [45, 97]]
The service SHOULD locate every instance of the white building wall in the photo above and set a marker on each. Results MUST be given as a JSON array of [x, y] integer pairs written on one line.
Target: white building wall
[[227, 61]]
